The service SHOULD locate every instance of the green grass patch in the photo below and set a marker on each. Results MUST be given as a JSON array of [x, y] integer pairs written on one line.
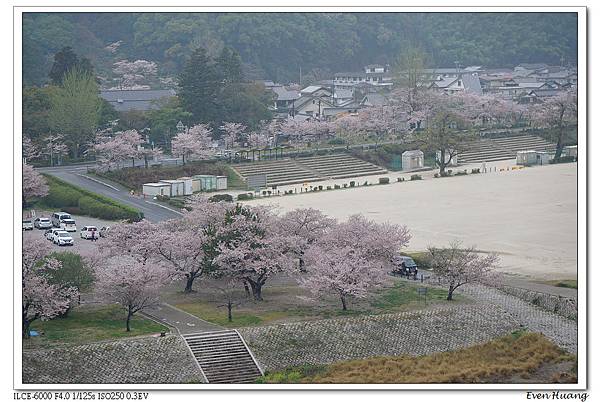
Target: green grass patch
[[404, 294], [90, 324], [565, 283], [241, 317], [76, 200]]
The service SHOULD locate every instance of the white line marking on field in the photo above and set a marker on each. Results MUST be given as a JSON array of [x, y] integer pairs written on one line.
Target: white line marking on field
[[97, 181], [162, 206]]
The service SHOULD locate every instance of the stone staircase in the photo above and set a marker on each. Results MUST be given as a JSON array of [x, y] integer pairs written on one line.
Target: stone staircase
[[223, 357], [495, 149], [309, 169]]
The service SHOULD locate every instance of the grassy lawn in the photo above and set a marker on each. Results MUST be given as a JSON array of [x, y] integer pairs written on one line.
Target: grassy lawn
[[513, 357], [90, 324], [288, 303], [564, 283]]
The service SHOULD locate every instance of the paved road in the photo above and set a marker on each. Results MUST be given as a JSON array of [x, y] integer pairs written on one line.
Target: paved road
[[77, 175], [185, 323]]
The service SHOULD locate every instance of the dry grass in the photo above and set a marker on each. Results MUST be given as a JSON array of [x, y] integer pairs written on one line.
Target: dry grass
[[513, 355]]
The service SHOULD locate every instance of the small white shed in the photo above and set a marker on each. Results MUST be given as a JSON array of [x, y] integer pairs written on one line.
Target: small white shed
[[449, 161], [221, 182], [196, 184], [207, 182], [153, 189], [187, 185], [177, 187], [571, 150], [532, 157], [412, 159]]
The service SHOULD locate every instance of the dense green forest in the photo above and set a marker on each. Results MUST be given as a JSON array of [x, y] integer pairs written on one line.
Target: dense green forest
[[277, 45]]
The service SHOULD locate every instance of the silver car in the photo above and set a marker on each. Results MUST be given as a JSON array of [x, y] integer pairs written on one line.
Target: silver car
[[42, 223], [62, 238]]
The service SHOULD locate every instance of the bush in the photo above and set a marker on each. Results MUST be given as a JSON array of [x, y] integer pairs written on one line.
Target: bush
[[337, 141], [416, 177], [245, 196], [345, 185], [446, 174], [436, 175], [221, 197], [77, 200], [463, 173], [400, 179], [352, 184], [163, 198], [366, 183], [384, 180], [475, 171], [336, 186], [320, 188]]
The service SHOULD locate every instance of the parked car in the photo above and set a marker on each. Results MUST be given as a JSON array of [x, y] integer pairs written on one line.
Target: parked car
[[27, 224], [62, 238], [68, 225], [50, 233], [57, 217], [104, 231], [42, 223], [404, 266], [89, 232]]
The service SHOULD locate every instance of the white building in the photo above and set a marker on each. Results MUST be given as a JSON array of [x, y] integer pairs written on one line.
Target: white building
[[188, 188], [413, 160], [177, 187], [154, 189]]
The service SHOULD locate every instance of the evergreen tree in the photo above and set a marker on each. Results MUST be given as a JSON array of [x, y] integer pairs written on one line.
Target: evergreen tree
[[199, 87], [66, 60]]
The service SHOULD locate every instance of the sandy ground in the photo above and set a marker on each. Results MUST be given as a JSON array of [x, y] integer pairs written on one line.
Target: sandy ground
[[528, 216]]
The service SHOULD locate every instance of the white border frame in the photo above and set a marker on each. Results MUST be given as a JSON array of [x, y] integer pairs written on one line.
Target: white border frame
[[581, 203]]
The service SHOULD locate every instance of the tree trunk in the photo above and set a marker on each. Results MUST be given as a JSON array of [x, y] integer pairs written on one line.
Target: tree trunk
[[26, 325], [188, 283], [442, 161], [559, 143], [129, 315], [343, 299], [132, 162], [246, 288], [451, 290], [256, 290], [183, 159], [229, 316], [146, 161]]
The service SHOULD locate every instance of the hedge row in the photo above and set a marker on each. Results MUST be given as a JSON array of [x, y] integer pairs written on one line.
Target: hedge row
[[77, 200]]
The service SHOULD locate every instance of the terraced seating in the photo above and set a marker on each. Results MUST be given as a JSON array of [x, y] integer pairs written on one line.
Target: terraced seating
[[308, 169], [495, 149]]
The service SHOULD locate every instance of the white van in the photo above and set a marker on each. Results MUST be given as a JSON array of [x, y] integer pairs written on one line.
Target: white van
[[57, 217], [68, 225]]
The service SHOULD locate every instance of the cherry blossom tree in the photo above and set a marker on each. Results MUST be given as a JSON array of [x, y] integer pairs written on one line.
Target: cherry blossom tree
[[40, 299], [258, 140], [136, 240], [54, 146], [456, 266], [352, 257], [181, 247], [130, 282], [557, 113], [150, 153], [232, 132], [30, 150], [195, 142], [112, 151], [133, 73], [251, 250], [34, 184]]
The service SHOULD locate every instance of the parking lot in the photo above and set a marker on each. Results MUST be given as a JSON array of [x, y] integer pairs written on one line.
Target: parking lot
[[80, 245]]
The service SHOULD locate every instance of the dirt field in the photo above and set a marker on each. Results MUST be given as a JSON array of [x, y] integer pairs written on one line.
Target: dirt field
[[528, 216]]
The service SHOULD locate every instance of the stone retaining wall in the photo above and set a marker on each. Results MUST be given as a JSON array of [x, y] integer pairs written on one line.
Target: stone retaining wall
[[144, 360], [563, 306], [412, 333]]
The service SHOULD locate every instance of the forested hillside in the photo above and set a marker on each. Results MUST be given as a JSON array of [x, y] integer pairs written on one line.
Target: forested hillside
[[276, 45]]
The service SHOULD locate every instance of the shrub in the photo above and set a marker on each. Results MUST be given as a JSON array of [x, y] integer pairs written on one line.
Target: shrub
[[221, 197], [336, 186], [337, 141], [463, 173], [446, 174], [400, 179], [416, 177], [245, 196], [264, 193], [436, 175], [163, 198], [80, 201], [475, 171], [366, 183], [352, 184], [345, 185], [384, 180], [450, 171], [563, 159], [328, 187], [320, 188]]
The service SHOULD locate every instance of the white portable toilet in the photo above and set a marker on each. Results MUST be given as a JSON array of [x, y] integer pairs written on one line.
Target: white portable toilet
[[412, 160], [154, 189], [528, 157], [449, 161], [187, 185], [221, 182], [176, 187]]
